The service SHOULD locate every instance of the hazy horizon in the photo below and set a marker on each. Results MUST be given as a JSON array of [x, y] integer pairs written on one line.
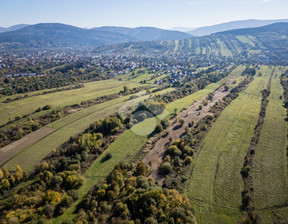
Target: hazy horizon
[[134, 13]]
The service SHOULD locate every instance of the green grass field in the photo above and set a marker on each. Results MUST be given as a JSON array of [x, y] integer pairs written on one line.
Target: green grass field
[[223, 48], [270, 161], [216, 184], [128, 145], [61, 99], [71, 125], [66, 127]]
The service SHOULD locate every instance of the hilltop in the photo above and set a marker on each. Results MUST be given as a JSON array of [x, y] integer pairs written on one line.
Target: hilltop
[[267, 43], [241, 24], [56, 35]]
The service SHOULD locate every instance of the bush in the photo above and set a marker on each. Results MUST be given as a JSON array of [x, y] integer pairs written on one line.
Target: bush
[[174, 151], [166, 168], [165, 123], [73, 194], [108, 155], [150, 220], [158, 128], [141, 169], [181, 121], [164, 134], [38, 110], [188, 160], [48, 211], [18, 117], [47, 107]]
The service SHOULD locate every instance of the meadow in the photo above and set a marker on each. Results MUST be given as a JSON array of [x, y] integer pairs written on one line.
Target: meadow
[[270, 163], [61, 99], [71, 125], [127, 145], [215, 184]]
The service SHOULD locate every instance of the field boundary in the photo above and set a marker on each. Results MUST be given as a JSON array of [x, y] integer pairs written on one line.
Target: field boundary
[[10, 151]]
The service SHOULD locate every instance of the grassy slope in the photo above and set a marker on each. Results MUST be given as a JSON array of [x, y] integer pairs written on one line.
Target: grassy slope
[[216, 183], [129, 147], [69, 126], [270, 162], [66, 127], [61, 99]]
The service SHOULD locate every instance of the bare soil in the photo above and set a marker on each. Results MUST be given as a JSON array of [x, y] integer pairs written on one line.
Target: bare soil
[[9, 151], [154, 157]]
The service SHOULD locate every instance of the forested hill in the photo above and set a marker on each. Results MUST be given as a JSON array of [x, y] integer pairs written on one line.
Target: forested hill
[[56, 35], [240, 24], [146, 33], [267, 43]]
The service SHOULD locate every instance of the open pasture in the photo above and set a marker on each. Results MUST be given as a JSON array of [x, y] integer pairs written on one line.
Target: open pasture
[[215, 182]]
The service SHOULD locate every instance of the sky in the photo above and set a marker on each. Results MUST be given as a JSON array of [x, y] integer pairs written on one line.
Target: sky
[[134, 13]]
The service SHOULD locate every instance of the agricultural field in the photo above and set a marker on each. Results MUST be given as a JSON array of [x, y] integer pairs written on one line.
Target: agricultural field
[[71, 125], [186, 125], [270, 163], [215, 184], [60, 99], [134, 139]]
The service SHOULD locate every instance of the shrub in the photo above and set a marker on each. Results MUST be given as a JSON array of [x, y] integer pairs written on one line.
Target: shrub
[[174, 151], [165, 123], [48, 211], [166, 168], [74, 194], [200, 107], [150, 220], [164, 134], [18, 117], [181, 121], [141, 169], [158, 128], [108, 155], [188, 160], [38, 110], [47, 107]]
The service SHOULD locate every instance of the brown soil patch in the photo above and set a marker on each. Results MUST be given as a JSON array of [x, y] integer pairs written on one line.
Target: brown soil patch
[[192, 113], [9, 151]]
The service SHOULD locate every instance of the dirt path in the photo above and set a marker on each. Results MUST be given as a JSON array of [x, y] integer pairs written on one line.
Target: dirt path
[[9, 151], [192, 113]]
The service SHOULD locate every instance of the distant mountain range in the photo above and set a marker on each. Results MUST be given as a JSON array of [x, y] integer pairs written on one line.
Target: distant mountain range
[[267, 43], [241, 24], [146, 33], [55, 35], [12, 28]]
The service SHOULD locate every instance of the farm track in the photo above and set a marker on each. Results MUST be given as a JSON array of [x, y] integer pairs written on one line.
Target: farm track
[[155, 156], [131, 147]]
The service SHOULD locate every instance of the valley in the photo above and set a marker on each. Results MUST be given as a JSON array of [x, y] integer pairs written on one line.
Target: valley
[[143, 125]]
